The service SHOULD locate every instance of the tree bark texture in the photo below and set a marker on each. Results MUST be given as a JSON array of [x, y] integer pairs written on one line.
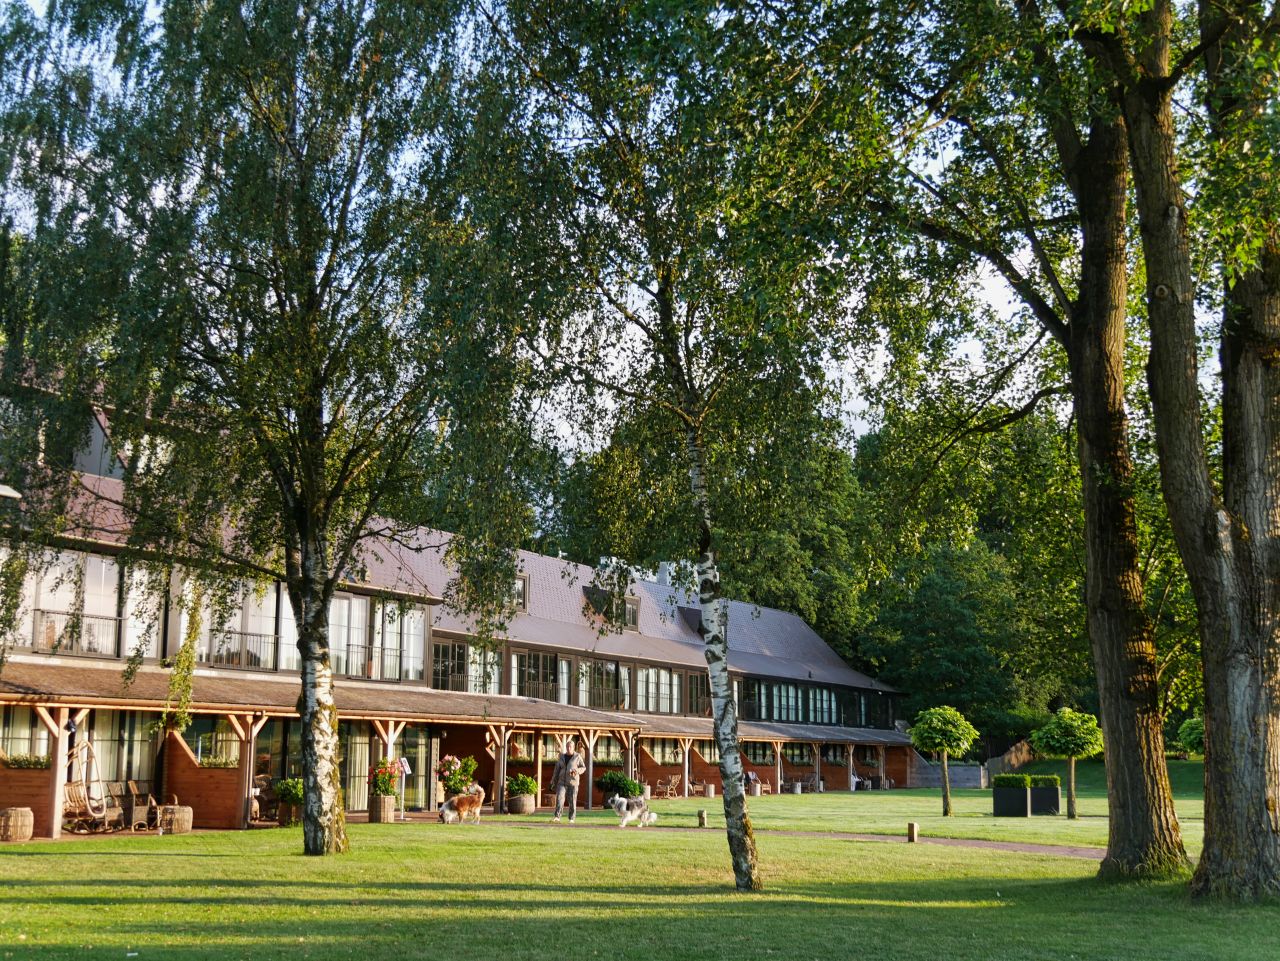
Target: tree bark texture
[[324, 822], [946, 787], [1229, 546], [1143, 838], [713, 628]]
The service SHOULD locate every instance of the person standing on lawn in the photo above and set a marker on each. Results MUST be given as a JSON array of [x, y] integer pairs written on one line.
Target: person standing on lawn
[[569, 768]]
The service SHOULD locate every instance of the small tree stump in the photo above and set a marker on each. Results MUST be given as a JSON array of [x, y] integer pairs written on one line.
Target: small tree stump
[[913, 832], [702, 817]]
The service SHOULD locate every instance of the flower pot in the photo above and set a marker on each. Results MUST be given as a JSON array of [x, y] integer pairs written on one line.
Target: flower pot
[[1046, 800], [288, 814], [1011, 802], [382, 808], [522, 804]]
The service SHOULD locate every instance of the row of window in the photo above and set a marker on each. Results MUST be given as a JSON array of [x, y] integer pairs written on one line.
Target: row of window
[[89, 604]]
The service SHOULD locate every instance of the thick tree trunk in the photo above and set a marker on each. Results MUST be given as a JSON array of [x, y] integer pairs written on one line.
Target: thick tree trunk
[[324, 822], [1143, 838], [713, 627], [946, 787], [1230, 548]]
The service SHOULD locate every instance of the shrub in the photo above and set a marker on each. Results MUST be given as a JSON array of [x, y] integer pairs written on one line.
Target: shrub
[[26, 762], [219, 761], [289, 790], [456, 773], [1011, 780], [518, 785], [1045, 780], [1191, 735], [615, 782]]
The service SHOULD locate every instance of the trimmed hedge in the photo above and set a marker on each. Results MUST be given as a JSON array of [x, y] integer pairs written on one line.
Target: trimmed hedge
[[1045, 780], [1011, 780]]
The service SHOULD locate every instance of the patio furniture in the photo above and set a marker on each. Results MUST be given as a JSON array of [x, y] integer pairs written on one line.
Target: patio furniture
[[16, 824], [666, 787], [811, 783], [174, 819], [140, 792], [84, 815], [266, 800], [133, 816]]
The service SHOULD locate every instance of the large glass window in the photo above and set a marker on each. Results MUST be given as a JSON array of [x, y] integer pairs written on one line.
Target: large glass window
[[538, 674], [124, 744], [658, 690], [699, 694], [600, 685], [76, 605], [484, 671], [143, 617], [21, 732], [800, 755], [664, 750], [758, 752], [449, 666], [708, 750]]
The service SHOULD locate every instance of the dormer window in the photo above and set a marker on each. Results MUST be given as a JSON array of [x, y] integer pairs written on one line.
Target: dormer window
[[631, 613], [520, 592]]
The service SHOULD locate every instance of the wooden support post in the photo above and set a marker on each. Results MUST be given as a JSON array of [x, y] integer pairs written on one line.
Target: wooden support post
[[913, 832], [590, 737], [537, 762], [500, 781], [777, 761], [56, 724], [817, 766], [702, 817], [685, 744], [884, 773], [848, 760]]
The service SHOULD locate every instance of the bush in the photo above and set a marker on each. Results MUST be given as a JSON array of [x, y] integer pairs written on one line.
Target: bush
[[219, 761], [26, 762], [1191, 735], [518, 785], [289, 790], [456, 773], [1046, 780], [615, 782], [1011, 780]]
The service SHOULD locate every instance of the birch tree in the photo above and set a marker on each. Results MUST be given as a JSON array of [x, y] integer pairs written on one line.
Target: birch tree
[[255, 255], [703, 295]]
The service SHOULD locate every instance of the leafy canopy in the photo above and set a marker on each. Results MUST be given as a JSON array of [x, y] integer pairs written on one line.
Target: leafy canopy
[[942, 729], [1068, 734]]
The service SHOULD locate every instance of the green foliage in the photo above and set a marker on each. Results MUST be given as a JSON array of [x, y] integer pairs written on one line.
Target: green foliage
[[1012, 780], [384, 777], [456, 773], [1045, 780], [290, 790], [521, 785], [942, 729], [219, 761], [29, 762], [1068, 734], [1191, 735], [615, 782]]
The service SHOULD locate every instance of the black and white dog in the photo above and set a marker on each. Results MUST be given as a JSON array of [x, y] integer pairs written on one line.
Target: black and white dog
[[631, 809]]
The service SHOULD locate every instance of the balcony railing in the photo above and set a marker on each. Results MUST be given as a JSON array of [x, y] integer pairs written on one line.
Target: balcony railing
[[376, 664], [62, 632], [547, 690], [700, 705], [450, 682], [605, 699], [241, 649]]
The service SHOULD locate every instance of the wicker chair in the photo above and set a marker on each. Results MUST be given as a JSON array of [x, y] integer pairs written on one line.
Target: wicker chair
[[667, 787]]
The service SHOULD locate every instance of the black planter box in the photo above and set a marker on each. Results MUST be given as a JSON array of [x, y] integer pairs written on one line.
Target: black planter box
[[1046, 800], [1011, 802]]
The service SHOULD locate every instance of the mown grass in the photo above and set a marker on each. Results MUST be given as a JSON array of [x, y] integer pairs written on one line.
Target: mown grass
[[510, 891], [887, 812]]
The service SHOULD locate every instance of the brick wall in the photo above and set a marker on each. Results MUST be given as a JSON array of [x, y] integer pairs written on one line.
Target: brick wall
[[26, 788], [215, 795]]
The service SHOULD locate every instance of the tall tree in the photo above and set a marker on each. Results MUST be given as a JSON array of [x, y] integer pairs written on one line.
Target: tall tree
[[256, 255], [1228, 535], [707, 303], [1014, 153]]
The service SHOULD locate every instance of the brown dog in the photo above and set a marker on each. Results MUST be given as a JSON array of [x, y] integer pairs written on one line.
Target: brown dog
[[462, 806]]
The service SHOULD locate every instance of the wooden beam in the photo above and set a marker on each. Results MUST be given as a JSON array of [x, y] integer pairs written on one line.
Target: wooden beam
[[47, 720], [259, 723], [380, 728], [57, 761], [235, 726], [685, 744]]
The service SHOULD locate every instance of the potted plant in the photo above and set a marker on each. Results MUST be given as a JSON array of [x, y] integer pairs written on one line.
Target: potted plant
[[1046, 794], [522, 794], [384, 778], [1011, 796], [456, 774], [289, 796], [614, 783]]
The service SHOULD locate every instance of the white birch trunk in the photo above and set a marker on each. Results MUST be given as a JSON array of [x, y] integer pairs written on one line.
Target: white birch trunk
[[724, 713], [324, 822]]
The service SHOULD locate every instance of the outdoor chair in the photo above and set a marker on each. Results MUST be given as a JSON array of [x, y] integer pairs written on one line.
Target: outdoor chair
[[140, 791], [265, 801], [809, 783], [666, 787], [83, 815]]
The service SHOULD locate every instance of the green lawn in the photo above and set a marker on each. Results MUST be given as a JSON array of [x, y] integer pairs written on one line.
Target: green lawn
[[887, 812], [508, 891], [512, 890]]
